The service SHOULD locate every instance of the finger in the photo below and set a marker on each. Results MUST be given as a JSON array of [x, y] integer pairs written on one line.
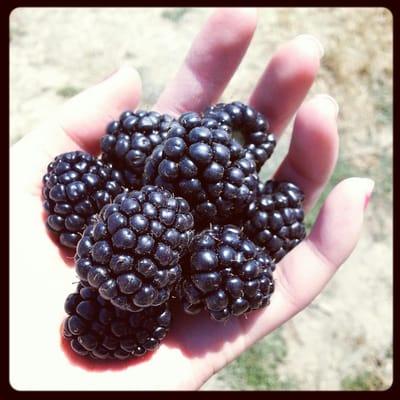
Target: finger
[[78, 125], [286, 80], [82, 120], [85, 116], [304, 272], [213, 58], [313, 149]]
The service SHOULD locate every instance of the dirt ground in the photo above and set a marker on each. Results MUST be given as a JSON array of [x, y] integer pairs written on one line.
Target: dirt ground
[[346, 334]]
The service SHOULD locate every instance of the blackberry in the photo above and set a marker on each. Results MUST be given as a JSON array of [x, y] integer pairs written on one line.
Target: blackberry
[[275, 219], [201, 162], [129, 141], [76, 187], [97, 329], [258, 140], [132, 253], [228, 274]]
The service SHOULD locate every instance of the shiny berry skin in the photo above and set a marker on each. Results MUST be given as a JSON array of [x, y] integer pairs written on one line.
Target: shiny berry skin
[[259, 141], [226, 274], [201, 162], [274, 220], [98, 330], [130, 140], [132, 253], [75, 188]]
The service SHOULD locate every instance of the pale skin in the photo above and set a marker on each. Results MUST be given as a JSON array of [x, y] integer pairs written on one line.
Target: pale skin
[[41, 275]]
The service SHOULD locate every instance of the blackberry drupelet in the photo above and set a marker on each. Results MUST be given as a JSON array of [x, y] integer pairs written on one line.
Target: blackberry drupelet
[[201, 162], [132, 253], [275, 219], [97, 329], [259, 141], [75, 187], [228, 275], [129, 141]]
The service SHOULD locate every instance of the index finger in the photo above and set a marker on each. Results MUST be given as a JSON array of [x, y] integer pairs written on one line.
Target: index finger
[[212, 60]]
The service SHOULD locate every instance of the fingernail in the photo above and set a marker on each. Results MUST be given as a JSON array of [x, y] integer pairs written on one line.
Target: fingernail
[[331, 101], [252, 11], [369, 187], [124, 67], [114, 73], [312, 40]]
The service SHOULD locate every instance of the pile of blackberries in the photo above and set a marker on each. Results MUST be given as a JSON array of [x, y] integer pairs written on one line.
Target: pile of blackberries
[[172, 210]]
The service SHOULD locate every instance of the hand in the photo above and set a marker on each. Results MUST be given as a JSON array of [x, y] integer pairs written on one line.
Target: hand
[[196, 346]]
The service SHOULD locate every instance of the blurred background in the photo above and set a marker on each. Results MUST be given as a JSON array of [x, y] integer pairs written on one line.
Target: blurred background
[[344, 339]]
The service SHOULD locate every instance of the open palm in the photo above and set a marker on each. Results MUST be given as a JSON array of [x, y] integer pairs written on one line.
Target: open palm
[[42, 274]]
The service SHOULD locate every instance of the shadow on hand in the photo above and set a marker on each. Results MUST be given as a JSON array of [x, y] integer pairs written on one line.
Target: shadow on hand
[[198, 335]]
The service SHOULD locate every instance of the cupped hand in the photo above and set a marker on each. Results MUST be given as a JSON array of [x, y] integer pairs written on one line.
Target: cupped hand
[[42, 275]]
